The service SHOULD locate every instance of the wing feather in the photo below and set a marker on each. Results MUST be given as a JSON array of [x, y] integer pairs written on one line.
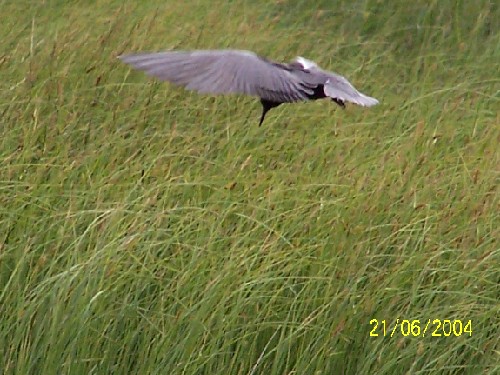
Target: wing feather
[[339, 87], [221, 71]]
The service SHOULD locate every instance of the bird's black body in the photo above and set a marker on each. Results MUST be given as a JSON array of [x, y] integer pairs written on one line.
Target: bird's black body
[[318, 93], [232, 71]]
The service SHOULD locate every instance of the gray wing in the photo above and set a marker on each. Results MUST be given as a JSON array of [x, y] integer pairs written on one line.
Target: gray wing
[[338, 87], [222, 71]]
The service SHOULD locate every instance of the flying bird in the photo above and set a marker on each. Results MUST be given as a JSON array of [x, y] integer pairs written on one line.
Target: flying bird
[[237, 71]]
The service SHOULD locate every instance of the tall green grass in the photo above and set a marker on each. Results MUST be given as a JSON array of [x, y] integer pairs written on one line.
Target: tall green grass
[[148, 230]]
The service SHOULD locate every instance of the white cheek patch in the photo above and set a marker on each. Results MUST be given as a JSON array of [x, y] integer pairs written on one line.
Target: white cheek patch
[[306, 64]]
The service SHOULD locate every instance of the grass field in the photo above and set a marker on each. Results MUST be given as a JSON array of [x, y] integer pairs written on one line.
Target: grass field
[[149, 230]]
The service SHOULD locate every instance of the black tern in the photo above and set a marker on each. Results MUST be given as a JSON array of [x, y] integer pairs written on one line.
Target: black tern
[[235, 71]]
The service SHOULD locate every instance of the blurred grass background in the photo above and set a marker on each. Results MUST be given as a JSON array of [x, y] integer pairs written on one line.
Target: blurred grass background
[[149, 230]]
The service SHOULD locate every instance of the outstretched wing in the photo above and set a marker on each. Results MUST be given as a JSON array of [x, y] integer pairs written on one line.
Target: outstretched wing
[[338, 87], [222, 71]]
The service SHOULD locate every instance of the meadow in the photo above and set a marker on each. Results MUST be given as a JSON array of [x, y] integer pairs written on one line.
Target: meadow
[[145, 229]]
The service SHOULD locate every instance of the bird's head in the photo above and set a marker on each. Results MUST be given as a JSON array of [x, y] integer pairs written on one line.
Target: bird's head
[[306, 64]]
